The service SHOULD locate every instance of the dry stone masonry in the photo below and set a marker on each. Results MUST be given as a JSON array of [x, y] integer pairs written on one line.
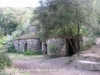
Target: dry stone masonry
[[32, 28], [55, 47], [22, 45], [34, 44], [28, 42], [16, 42]]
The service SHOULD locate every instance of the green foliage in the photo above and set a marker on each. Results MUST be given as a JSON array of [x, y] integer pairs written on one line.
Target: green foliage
[[16, 34], [10, 47], [4, 61], [10, 44], [11, 18], [64, 17], [10, 38], [52, 48], [3, 41], [81, 47], [87, 43], [23, 28], [28, 52], [91, 42], [97, 32], [1, 32]]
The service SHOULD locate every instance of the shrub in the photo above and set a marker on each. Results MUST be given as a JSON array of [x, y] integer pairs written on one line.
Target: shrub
[[88, 43], [91, 42], [53, 48], [97, 32], [10, 44], [4, 60], [28, 52], [10, 47], [2, 41]]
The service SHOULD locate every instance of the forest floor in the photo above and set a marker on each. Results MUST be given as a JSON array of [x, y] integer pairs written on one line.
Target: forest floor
[[43, 65]]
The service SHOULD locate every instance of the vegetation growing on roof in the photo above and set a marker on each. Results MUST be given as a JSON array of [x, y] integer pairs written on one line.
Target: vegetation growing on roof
[[31, 35]]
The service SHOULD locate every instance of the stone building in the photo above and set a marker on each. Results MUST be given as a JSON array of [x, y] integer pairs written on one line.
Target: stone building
[[29, 41], [54, 46], [57, 47], [32, 28]]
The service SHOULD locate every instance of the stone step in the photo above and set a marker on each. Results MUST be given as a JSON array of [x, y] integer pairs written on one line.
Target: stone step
[[88, 65], [90, 57]]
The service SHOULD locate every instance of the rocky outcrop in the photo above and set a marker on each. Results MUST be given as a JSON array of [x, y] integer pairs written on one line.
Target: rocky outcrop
[[89, 61], [88, 65], [90, 57]]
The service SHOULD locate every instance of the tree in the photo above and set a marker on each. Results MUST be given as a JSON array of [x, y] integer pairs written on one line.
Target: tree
[[64, 18], [11, 18]]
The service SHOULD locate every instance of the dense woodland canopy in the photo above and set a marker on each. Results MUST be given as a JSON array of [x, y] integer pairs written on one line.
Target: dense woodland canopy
[[12, 18], [67, 18], [61, 17]]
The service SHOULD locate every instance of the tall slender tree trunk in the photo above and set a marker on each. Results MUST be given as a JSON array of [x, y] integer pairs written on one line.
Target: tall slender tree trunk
[[78, 38]]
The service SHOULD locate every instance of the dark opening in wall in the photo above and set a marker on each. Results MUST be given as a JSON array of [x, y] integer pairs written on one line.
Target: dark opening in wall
[[70, 49], [45, 48], [25, 48], [18, 46]]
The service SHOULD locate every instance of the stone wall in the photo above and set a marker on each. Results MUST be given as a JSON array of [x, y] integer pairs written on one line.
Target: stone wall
[[32, 28], [60, 44], [34, 44], [16, 45], [22, 45]]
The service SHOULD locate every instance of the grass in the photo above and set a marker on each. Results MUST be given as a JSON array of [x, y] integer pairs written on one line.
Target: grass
[[14, 71], [28, 52], [49, 57], [17, 56]]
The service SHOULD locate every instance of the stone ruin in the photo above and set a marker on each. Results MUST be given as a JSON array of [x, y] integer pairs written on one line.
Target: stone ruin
[[57, 47], [54, 46], [29, 41], [27, 44]]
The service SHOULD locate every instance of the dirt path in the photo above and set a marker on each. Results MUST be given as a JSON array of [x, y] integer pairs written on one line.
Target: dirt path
[[56, 66]]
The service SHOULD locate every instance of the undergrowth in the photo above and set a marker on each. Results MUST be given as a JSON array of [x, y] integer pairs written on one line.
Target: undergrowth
[[4, 60], [28, 52]]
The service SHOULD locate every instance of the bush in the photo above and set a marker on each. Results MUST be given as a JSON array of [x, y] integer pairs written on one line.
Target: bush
[[88, 43], [10, 44], [91, 42], [53, 48], [2, 41], [28, 52], [4, 60], [97, 32], [10, 47]]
